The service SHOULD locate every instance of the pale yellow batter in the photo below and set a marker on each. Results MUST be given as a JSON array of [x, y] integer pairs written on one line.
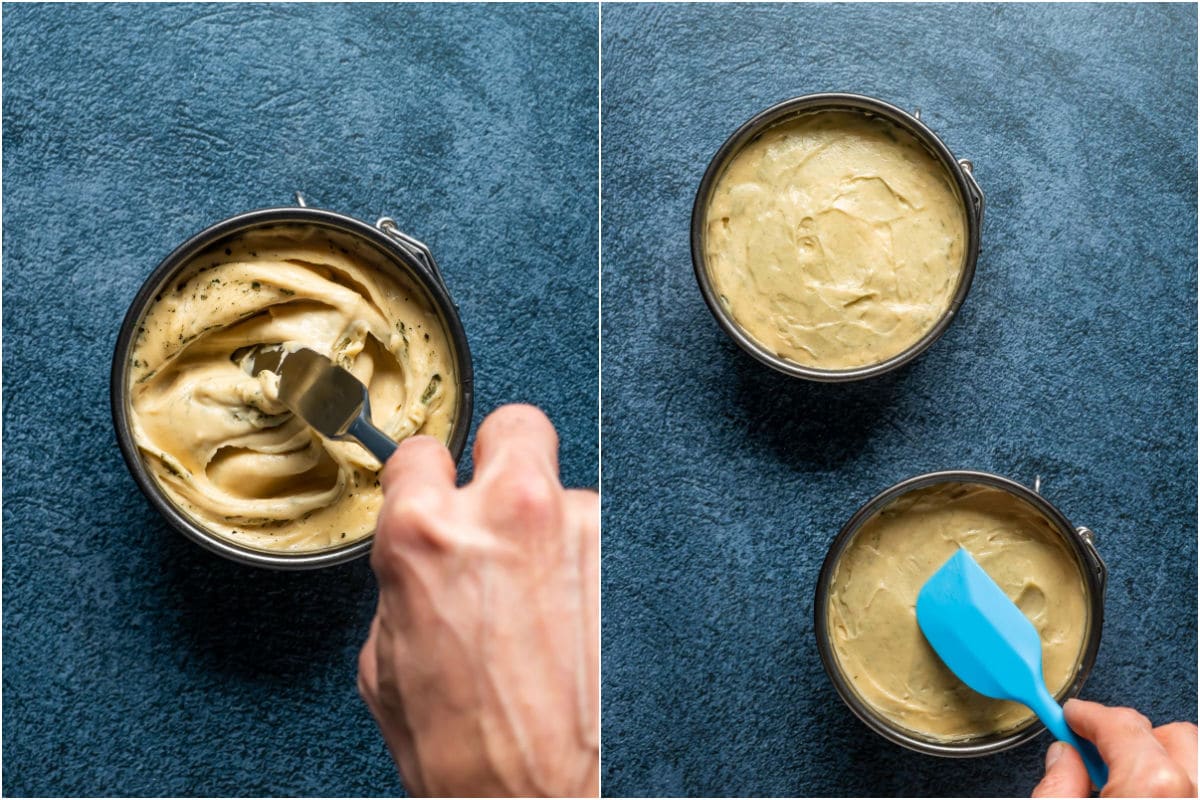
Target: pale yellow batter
[[872, 617], [835, 240], [220, 443]]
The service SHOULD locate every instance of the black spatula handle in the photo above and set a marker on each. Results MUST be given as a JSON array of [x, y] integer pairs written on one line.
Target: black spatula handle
[[370, 437]]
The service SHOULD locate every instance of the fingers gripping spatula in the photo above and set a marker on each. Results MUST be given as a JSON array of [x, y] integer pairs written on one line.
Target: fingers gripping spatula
[[992, 647], [326, 396]]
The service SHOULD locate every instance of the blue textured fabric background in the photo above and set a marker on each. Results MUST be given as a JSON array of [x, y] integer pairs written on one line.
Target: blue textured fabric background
[[134, 662], [1074, 359]]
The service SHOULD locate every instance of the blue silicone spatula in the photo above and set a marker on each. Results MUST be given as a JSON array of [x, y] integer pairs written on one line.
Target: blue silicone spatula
[[992, 647]]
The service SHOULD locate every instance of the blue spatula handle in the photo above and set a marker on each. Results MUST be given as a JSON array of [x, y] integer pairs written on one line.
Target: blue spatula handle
[[1051, 713]]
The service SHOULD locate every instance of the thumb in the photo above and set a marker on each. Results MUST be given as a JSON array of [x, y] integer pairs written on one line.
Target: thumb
[[1066, 776]]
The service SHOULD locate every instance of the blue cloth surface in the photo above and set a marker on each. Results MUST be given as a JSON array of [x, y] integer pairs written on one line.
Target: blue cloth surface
[[135, 662], [1074, 359]]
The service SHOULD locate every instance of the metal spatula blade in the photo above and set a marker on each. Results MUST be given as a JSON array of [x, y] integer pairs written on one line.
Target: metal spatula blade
[[324, 395], [981, 635]]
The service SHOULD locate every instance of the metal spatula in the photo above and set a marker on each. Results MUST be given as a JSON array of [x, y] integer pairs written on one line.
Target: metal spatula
[[324, 395], [992, 647]]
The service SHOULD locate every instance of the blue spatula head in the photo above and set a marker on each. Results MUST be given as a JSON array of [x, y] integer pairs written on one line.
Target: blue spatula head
[[992, 647], [979, 633]]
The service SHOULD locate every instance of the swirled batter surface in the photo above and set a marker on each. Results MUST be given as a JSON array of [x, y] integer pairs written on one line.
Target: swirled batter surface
[[219, 442], [872, 604], [835, 240]]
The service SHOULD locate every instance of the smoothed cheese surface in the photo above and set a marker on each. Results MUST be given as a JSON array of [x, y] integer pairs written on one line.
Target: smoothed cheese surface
[[835, 239], [219, 442], [871, 611]]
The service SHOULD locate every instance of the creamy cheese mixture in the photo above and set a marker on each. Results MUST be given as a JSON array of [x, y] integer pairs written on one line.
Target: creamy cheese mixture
[[217, 439], [835, 240], [871, 611]]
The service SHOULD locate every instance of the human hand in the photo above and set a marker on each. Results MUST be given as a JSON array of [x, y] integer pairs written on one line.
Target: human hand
[[482, 664], [1143, 761]]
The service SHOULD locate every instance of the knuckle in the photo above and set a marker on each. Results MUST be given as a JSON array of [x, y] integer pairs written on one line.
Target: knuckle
[[526, 494], [404, 521], [385, 562], [408, 513], [532, 498], [1166, 780], [378, 559]]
